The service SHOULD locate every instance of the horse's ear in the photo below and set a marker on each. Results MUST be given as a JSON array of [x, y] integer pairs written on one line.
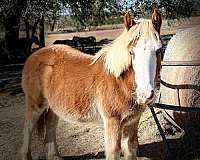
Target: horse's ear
[[156, 19], [128, 21]]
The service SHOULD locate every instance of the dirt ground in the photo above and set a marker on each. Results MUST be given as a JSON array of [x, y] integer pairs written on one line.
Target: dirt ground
[[79, 142], [74, 141]]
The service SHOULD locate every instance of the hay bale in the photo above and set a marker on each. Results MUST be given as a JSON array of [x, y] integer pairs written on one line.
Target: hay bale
[[184, 80]]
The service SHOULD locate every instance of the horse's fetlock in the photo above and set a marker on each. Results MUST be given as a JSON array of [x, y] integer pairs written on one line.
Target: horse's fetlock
[[54, 157]]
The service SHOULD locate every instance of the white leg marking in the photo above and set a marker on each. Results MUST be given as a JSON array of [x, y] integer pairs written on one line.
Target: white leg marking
[[52, 153], [112, 139], [129, 149], [27, 140], [28, 128]]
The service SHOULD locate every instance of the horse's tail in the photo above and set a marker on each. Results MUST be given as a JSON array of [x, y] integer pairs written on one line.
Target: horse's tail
[[41, 124]]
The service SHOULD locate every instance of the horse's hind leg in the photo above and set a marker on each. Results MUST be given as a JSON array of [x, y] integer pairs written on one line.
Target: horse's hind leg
[[33, 112], [50, 138]]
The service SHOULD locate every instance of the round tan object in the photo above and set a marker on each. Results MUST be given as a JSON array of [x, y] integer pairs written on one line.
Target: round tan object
[[183, 81]]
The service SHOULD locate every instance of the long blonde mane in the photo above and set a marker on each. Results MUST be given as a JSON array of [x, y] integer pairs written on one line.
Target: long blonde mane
[[116, 56]]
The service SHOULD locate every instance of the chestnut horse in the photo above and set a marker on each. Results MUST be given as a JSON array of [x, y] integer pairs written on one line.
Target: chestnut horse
[[114, 87]]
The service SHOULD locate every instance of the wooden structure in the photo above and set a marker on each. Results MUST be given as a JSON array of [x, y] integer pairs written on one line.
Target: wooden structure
[[181, 75]]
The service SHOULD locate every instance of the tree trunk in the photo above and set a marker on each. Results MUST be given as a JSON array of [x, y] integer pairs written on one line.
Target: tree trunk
[[34, 28], [53, 25], [12, 32], [42, 34], [26, 21]]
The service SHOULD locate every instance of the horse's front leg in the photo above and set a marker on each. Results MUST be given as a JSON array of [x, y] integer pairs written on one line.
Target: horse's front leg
[[112, 138], [130, 140]]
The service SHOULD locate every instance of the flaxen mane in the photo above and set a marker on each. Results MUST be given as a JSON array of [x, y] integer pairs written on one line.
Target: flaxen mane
[[116, 56]]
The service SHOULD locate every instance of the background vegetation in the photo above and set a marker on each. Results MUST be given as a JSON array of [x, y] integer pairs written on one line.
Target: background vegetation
[[30, 18]]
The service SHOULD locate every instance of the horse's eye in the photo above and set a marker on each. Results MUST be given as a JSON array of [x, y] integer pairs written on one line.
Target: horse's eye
[[157, 36], [131, 52]]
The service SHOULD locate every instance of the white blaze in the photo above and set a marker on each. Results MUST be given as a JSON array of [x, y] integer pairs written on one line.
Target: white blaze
[[144, 65]]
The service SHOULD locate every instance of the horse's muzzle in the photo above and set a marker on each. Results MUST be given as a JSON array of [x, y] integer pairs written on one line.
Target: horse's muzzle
[[146, 98]]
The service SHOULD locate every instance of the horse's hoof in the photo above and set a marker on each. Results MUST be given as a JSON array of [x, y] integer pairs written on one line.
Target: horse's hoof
[[143, 158], [58, 158], [130, 158]]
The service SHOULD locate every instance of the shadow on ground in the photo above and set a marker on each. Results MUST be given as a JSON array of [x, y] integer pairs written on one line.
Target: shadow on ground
[[180, 149], [99, 155]]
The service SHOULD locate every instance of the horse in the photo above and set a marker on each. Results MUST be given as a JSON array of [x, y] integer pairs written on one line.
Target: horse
[[65, 42], [113, 88], [82, 41]]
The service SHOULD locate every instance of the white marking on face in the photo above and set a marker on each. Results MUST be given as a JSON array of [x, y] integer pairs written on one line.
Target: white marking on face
[[144, 65]]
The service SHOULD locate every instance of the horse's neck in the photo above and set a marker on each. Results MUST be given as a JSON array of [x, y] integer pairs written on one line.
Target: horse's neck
[[125, 80], [117, 93], [116, 58]]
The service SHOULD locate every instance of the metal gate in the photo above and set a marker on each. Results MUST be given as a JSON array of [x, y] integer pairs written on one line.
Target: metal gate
[[168, 153]]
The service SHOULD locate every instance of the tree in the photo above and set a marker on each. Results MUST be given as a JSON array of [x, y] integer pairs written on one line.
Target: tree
[[10, 12], [37, 11], [195, 7], [32, 12], [86, 13], [91, 12], [171, 9], [175, 9]]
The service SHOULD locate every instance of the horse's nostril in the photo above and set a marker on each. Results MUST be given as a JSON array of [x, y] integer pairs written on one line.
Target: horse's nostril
[[151, 95]]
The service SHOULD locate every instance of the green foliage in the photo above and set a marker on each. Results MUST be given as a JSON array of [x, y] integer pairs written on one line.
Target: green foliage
[[171, 9], [30, 9], [37, 8], [113, 20], [195, 7], [10, 8], [86, 13], [175, 9], [144, 8], [91, 12]]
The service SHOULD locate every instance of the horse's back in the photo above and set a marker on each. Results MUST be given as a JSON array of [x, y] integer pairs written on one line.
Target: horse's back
[[39, 66]]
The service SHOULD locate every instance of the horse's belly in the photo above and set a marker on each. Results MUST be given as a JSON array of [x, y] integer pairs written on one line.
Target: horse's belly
[[74, 114]]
